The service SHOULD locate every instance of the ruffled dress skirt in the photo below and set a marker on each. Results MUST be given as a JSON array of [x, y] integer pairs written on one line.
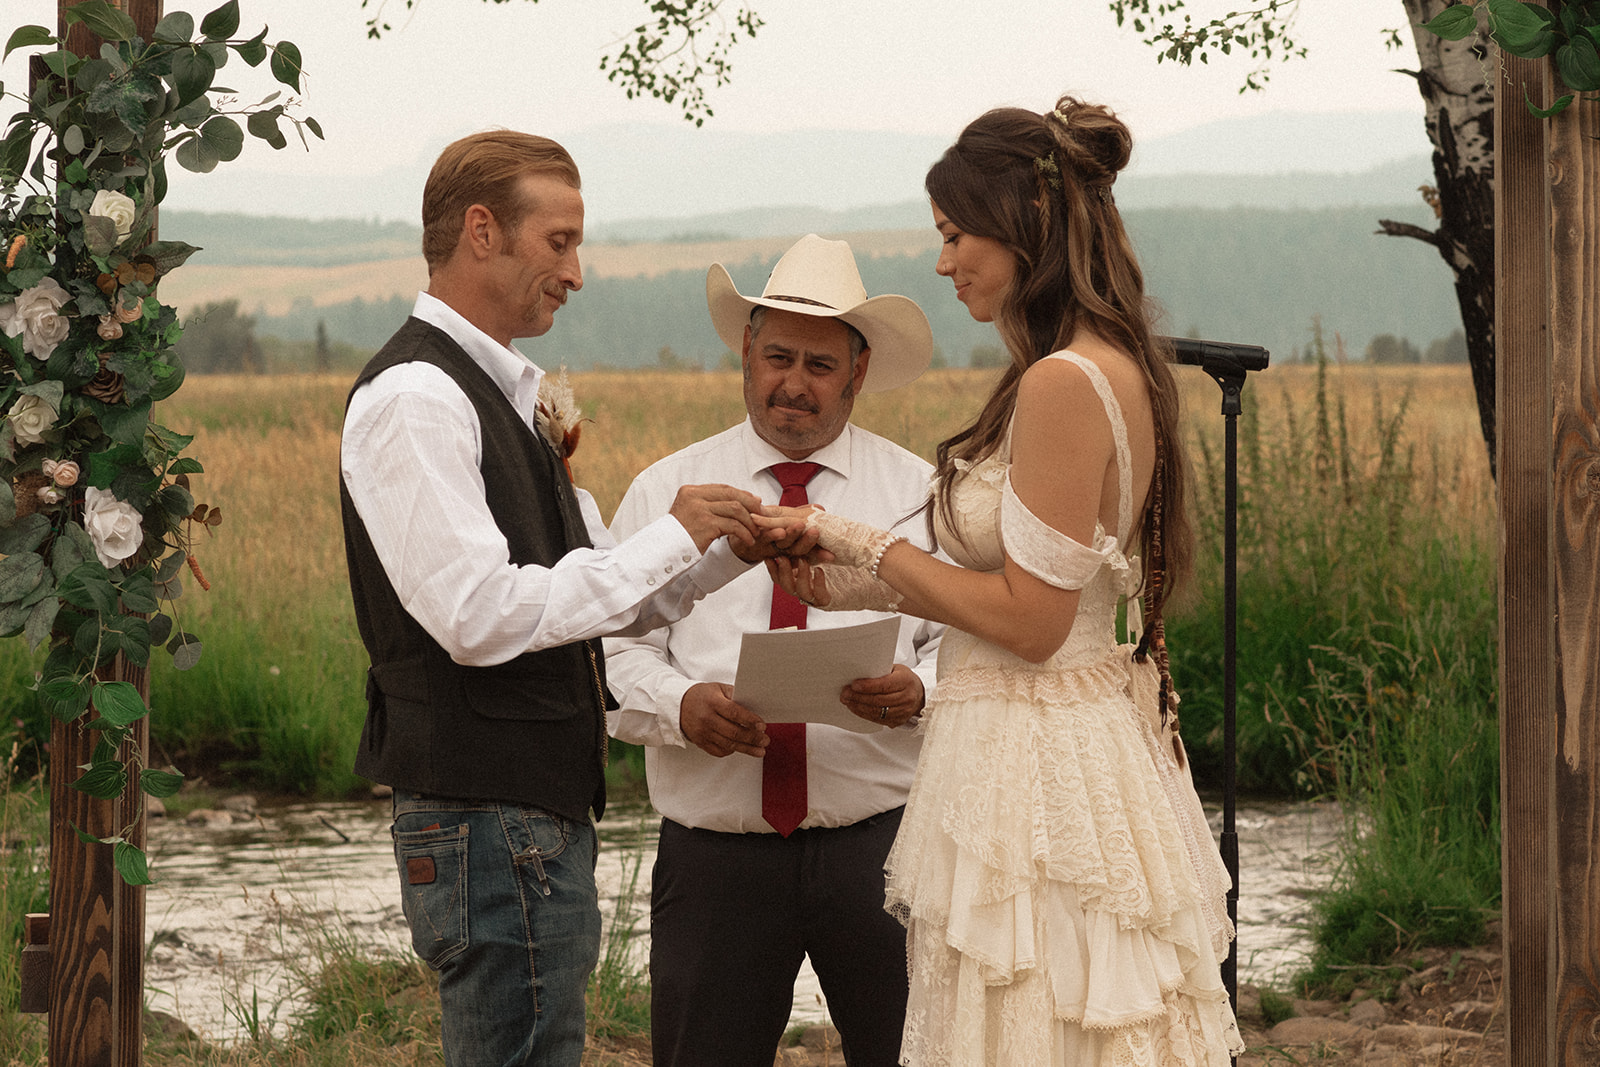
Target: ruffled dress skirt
[[1050, 877]]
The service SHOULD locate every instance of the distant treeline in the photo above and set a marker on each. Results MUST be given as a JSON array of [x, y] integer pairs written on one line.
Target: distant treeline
[[1252, 275]]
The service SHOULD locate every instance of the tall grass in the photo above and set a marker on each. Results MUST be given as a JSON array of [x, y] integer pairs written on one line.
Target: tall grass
[[1367, 660], [24, 888]]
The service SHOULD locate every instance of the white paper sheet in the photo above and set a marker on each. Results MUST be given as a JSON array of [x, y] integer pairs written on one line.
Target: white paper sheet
[[796, 675]]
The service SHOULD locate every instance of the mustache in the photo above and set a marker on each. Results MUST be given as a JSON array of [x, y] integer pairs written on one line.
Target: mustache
[[781, 400]]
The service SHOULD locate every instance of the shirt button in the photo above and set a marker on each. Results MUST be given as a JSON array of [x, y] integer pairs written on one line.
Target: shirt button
[[688, 558], [650, 581], [669, 568]]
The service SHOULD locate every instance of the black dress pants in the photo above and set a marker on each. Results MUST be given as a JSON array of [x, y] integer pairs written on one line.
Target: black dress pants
[[731, 917]]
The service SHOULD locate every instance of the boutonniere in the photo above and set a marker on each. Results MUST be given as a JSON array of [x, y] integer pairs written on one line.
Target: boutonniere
[[559, 419]]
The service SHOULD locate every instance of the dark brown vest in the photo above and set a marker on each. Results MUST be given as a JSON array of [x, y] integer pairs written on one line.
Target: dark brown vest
[[529, 731]]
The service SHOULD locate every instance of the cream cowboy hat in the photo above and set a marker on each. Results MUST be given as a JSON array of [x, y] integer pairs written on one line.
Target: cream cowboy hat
[[819, 277]]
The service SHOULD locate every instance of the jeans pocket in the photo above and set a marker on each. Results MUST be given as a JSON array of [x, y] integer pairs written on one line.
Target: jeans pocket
[[433, 889]]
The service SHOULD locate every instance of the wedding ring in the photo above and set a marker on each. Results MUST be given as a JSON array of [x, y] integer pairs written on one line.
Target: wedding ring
[[883, 713]]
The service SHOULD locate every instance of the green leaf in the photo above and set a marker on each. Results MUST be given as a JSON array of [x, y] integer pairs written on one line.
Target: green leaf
[[175, 28], [65, 698], [176, 501], [86, 838], [264, 124], [8, 499], [1520, 28], [185, 465], [28, 37], [106, 21], [103, 467], [119, 703], [160, 783], [193, 155], [192, 74], [168, 255], [1548, 112], [125, 423], [13, 617], [1453, 23], [224, 136], [222, 23], [89, 587], [40, 620], [99, 234], [254, 50], [131, 864], [139, 592], [72, 547], [185, 649], [24, 535], [160, 629], [103, 781], [1578, 63], [286, 65], [20, 575], [128, 635]]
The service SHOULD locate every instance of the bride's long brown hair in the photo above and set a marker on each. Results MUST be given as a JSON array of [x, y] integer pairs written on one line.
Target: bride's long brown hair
[[1041, 186]]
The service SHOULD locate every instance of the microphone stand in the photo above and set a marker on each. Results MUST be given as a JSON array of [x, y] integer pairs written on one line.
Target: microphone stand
[[1228, 364]]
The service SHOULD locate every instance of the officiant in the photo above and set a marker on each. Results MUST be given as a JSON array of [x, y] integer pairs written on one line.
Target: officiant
[[773, 836]]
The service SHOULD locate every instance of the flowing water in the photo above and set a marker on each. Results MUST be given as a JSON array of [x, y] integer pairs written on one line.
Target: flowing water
[[244, 907]]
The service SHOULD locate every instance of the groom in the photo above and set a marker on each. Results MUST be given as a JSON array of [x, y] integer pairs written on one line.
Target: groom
[[483, 581]]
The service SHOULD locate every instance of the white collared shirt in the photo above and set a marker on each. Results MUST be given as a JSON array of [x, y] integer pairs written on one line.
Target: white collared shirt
[[850, 776], [409, 455]]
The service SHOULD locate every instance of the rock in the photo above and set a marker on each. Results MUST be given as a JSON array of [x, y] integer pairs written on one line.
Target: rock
[[1415, 1035], [154, 808], [382, 792], [170, 1028], [210, 818], [241, 804], [1249, 1008], [1316, 1031], [1471, 1014], [1367, 1013], [821, 1039], [1314, 1007], [792, 1057]]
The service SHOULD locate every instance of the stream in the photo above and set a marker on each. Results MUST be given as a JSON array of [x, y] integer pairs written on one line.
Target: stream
[[245, 904]]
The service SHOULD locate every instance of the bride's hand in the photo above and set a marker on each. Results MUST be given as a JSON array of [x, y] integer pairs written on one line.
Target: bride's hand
[[780, 531]]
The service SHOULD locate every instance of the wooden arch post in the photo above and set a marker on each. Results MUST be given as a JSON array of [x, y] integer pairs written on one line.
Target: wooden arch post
[[1548, 367], [96, 923]]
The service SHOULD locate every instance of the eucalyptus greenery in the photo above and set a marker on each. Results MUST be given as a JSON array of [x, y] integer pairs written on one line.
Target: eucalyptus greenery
[[671, 56], [1570, 31], [97, 514]]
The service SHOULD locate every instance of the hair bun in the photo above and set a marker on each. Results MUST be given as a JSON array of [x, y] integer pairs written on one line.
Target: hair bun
[[1093, 138]]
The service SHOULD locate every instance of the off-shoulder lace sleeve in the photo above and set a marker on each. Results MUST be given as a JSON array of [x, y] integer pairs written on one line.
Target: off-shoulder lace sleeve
[[1047, 553]]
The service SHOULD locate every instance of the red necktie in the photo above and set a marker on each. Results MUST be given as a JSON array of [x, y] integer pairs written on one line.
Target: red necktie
[[783, 768]]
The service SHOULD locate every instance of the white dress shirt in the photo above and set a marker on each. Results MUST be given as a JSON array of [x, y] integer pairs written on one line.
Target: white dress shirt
[[850, 776], [410, 453]]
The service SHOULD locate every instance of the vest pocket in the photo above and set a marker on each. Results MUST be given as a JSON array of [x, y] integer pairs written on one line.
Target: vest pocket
[[433, 887], [529, 694]]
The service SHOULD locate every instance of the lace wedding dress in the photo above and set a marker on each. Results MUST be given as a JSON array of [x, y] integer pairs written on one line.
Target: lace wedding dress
[[1062, 895]]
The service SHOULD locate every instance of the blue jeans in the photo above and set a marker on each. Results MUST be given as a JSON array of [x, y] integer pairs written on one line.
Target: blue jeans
[[502, 904]]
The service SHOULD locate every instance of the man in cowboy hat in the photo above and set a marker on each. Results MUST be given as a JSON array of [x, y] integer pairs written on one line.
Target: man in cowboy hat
[[773, 838]]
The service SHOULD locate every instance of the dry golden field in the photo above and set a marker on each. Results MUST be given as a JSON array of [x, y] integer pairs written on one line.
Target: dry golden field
[[273, 289], [270, 447]]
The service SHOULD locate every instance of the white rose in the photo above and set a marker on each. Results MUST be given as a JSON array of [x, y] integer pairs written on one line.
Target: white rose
[[113, 526], [35, 315], [116, 207], [30, 417]]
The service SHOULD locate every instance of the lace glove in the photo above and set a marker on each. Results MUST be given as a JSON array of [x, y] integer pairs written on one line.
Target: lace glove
[[854, 544], [853, 589]]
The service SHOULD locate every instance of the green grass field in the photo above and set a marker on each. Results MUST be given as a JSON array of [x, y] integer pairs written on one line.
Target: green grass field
[[1367, 608]]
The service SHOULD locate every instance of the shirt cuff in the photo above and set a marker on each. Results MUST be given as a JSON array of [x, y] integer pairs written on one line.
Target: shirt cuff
[[718, 567], [657, 554]]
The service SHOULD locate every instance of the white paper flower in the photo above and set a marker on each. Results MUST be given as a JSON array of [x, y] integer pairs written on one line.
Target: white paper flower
[[35, 314], [116, 207], [113, 526], [30, 417]]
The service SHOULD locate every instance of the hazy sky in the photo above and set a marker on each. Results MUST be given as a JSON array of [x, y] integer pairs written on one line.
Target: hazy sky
[[911, 66]]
